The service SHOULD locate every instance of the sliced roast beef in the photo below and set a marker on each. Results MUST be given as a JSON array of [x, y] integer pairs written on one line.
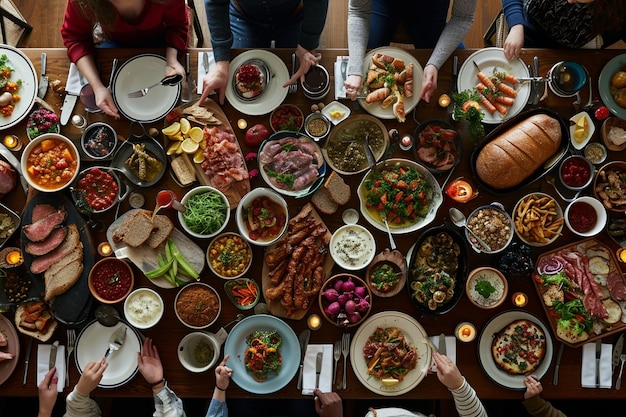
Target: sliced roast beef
[[71, 241], [617, 288], [48, 244], [8, 178], [39, 230], [41, 211]]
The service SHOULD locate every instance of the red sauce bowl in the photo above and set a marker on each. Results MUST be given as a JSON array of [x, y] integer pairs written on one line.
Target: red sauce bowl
[[585, 216], [111, 280], [576, 172], [287, 117]]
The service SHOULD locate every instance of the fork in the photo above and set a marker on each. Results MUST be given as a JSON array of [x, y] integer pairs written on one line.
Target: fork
[[169, 80], [293, 87], [622, 359], [71, 342], [345, 350], [337, 355]]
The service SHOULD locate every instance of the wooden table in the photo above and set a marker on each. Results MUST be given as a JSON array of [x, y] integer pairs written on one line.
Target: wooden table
[[170, 331]]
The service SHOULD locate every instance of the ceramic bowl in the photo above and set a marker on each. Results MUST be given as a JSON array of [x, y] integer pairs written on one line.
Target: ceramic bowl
[[585, 216], [337, 304], [352, 247], [493, 225], [111, 280], [610, 196], [386, 274], [256, 227], [486, 287], [229, 255], [99, 140], [316, 84], [143, 308], [316, 126], [287, 117], [244, 293], [529, 226], [198, 351], [220, 215], [197, 305], [54, 140], [576, 172]]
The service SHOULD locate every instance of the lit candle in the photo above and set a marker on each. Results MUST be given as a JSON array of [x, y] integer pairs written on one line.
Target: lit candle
[[406, 142], [104, 249], [621, 254], [444, 100], [314, 322], [14, 257], [242, 124], [520, 299], [12, 142], [465, 332]]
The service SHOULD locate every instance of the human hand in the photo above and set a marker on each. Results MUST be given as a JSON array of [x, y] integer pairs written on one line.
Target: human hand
[[447, 372], [91, 377], [149, 363], [48, 393], [353, 86], [216, 79], [174, 68], [104, 101], [327, 404], [307, 59], [429, 82], [533, 386], [223, 374], [514, 42]]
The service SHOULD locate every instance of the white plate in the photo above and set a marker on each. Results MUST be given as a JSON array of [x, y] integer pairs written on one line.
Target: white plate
[[92, 344], [415, 335], [591, 129], [137, 73], [8, 366], [336, 106], [24, 70], [486, 358], [409, 103], [275, 93], [236, 346], [487, 59]]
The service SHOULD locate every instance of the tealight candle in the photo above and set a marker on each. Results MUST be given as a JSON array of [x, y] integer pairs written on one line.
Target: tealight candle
[[465, 332], [104, 249], [14, 257], [444, 100], [242, 124], [12, 142], [520, 299], [621, 255], [406, 142], [314, 322]]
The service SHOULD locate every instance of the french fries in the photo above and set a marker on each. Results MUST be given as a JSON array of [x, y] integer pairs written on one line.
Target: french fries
[[537, 220]]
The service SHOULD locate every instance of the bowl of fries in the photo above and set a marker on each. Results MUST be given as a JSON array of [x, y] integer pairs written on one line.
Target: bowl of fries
[[538, 219]]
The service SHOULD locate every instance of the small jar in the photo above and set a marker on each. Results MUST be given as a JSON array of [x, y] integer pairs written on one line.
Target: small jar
[[316, 84]]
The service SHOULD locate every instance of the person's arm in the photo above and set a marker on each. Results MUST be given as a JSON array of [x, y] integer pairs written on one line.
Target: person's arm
[[534, 404], [515, 20], [217, 407], [177, 23], [48, 393], [76, 32], [465, 398], [328, 404], [78, 403], [218, 18], [104, 100], [166, 403], [358, 34]]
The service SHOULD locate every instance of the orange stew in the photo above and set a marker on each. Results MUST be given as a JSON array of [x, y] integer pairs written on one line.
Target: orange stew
[[52, 164]]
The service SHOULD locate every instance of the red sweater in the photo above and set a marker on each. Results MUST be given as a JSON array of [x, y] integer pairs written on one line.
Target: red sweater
[[169, 19]]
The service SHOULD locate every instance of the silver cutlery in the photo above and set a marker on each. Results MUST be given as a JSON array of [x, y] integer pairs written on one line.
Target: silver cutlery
[[71, 342], [617, 350], [43, 79], [442, 344], [28, 349], [550, 180], [205, 62], [555, 378], [166, 81], [113, 69], [187, 92], [459, 220], [453, 86], [318, 368], [622, 359], [52, 361], [116, 341], [293, 87], [345, 350], [304, 341], [336, 356], [598, 354]]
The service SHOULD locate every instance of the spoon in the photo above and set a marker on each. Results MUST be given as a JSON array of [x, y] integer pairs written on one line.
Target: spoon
[[239, 317], [459, 220], [392, 243], [107, 315]]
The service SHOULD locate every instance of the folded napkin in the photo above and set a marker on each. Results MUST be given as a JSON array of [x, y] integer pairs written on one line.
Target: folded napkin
[[588, 371], [340, 89], [326, 376], [43, 358], [201, 71], [450, 349], [75, 80]]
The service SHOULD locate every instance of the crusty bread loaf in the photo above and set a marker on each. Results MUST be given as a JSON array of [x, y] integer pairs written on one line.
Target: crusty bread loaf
[[57, 284], [513, 156]]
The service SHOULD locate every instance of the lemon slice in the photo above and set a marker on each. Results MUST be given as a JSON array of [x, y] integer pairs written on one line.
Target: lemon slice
[[172, 129], [173, 148], [189, 146], [198, 157], [196, 134], [389, 381], [177, 137], [184, 126]]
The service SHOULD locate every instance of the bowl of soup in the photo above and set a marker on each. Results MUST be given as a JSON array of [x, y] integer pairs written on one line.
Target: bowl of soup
[[262, 216], [50, 162]]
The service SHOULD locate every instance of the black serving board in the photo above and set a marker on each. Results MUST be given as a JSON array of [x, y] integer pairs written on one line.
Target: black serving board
[[71, 307]]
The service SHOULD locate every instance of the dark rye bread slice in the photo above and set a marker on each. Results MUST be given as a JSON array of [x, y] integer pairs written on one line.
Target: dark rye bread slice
[[338, 190], [322, 201], [136, 230]]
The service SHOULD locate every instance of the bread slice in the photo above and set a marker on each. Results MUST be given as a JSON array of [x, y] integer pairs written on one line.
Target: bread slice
[[63, 280], [321, 200], [136, 230], [163, 227], [184, 170], [598, 250], [339, 191], [75, 255]]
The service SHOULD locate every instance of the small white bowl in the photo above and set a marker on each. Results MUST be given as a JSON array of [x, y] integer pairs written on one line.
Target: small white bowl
[[352, 247], [601, 216], [591, 129], [200, 190], [246, 204], [143, 308], [336, 112], [199, 351], [36, 143]]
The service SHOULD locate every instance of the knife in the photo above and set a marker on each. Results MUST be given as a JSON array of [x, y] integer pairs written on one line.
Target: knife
[[539, 85], [304, 341], [12, 160], [442, 344], [28, 349], [43, 80], [555, 377], [617, 350], [189, 90], [205, 62], [598, 353], [318, 368], [453, 81], [53, 355], [68, 107]]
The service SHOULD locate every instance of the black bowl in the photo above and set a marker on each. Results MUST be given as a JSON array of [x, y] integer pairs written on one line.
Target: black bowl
[[436, 150]]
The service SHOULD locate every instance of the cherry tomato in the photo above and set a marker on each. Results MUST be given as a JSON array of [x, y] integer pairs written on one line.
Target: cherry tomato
[[602, 113], [470, 103]]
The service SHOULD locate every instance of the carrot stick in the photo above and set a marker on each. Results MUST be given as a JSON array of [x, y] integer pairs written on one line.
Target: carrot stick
[[507, 89], [507, 101], [505, 76], [485, 80], [487, 104]]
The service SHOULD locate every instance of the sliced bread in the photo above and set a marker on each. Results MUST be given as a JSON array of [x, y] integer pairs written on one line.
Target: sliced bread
[[322, 201], [136, 230], [75, 255], [63, 280], [338, 190], [163, 228]]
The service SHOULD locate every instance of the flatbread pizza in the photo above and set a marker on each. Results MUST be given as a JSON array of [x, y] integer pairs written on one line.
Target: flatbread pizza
[[519, 348]]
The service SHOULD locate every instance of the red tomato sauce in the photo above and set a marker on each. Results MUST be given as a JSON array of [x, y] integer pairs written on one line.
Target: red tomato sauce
[[575, 172], [111, 279], [582, 217], [99, 188]]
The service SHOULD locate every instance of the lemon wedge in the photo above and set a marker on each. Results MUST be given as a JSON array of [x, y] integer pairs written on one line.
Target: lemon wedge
[[173, 148], [178, 136], [184, 126], [196, 134], [198, 157], [389, 381], [172, 129], [580, 132], [189, 145]]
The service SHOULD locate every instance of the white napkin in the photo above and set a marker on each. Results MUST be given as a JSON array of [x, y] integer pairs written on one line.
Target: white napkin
[[450, 349], [74, 80], [43, 358], [201, 71], [588, 371], [340, 88], [326, 376]]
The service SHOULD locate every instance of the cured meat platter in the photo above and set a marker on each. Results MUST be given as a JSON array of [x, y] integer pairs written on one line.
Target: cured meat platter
[[585, 277]]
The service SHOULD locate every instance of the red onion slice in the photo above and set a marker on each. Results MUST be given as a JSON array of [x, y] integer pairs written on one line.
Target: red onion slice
[[550, 267]]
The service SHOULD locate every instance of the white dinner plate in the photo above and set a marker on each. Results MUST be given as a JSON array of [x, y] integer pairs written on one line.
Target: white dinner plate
[[485, 357], [137, 73], [236, 346], [415, 335], [23, 70], [409, 103], [92, 344], [275, 93], [487, 59]]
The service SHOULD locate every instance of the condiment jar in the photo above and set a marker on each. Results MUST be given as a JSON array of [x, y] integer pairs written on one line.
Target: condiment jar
[[316, 126]]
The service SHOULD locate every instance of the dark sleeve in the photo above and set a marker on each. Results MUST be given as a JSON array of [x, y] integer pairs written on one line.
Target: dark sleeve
[[538, 407], [177, 24], [218, 19], [514, 12], [313, 24], [76, 33]]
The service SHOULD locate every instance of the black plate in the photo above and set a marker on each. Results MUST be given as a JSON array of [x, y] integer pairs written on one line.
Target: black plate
[[542, 170], [463, 259], [459, 144], [71, 307]]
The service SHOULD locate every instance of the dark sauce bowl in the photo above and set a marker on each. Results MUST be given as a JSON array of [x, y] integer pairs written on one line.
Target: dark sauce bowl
[[316, 84]]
